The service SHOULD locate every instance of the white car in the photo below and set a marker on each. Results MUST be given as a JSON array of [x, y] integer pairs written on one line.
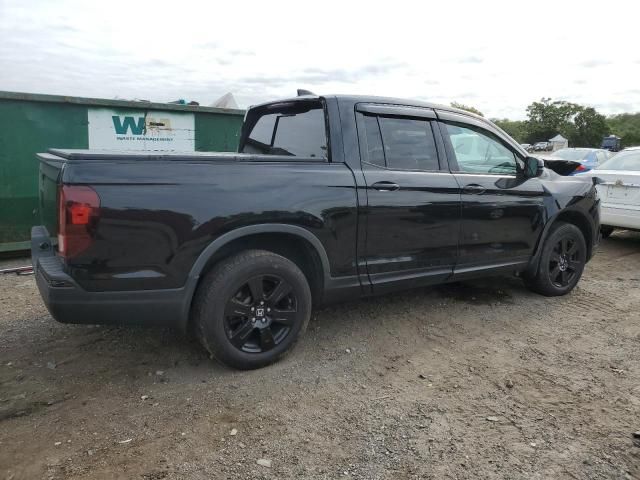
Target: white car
[[620, 191]]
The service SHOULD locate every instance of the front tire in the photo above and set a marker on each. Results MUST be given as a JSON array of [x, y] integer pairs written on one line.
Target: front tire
[[562, 261], [251, 309]]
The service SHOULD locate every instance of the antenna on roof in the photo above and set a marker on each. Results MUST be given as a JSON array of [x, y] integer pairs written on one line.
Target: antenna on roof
[[302, 92]]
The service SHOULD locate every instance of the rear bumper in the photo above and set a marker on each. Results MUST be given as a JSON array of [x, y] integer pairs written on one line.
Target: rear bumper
[[597, 221], [620, 217], [69, 303]]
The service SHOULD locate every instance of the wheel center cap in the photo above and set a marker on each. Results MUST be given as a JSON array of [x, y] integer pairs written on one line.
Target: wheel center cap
[[260, 312], [563, 263]]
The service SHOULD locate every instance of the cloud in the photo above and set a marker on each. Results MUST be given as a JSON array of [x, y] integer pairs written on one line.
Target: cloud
[[594, 63], [242, 53], [208, 45], [382, 68], [158, 62], [318, 75], [468, 95], [265, 80], [62, 28], [104, 51], [469, 59], [615, 107]]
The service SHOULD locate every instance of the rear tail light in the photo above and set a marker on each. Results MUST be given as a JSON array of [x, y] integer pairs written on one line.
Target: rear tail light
[[580, 168], [79, 209]]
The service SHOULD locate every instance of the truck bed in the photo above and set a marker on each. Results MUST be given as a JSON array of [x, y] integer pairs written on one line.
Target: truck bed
[[159, 210], [57, 154]]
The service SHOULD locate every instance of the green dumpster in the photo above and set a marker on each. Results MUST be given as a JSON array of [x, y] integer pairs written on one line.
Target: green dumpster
[[32, 123]]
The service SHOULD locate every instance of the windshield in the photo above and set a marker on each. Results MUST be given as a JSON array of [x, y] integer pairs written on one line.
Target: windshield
[[623, 161], [571, 154]]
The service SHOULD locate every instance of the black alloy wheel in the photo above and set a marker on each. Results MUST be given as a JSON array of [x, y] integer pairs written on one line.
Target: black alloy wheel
[[260, 314], [565, 262], [562, 260], [251, 308]]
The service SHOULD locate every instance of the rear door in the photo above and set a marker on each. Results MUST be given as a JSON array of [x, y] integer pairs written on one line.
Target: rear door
[[413, 201], [502, 211]]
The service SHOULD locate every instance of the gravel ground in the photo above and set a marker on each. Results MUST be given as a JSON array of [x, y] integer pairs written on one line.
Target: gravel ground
[[475, 380]]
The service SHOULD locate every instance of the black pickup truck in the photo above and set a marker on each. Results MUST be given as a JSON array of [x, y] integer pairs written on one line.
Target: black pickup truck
[[329, 198]]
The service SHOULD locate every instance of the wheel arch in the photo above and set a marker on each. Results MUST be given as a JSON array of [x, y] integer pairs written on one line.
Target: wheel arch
[[581, 221], [291, 241], [574, 217]]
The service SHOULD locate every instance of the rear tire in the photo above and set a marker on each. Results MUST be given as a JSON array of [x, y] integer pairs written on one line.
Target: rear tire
[[251, 308], [562, 261]]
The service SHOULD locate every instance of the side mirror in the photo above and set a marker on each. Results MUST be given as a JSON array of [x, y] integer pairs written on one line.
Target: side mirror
[[533, 167]]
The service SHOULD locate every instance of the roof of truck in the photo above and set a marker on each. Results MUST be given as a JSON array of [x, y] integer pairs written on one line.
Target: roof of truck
[[375, 99]]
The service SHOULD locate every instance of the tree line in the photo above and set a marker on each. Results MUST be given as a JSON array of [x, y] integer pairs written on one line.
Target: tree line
[[582, 126]]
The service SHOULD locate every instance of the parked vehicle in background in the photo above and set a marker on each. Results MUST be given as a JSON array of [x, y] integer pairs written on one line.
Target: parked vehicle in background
[[329, 198], [542, 146], [587, 158], [611, 143], [620, 192], [527, 146], [561, 167]]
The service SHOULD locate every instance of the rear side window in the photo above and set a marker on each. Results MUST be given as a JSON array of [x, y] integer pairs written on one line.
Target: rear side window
[[296, 129], [400, 143], [375, 152]]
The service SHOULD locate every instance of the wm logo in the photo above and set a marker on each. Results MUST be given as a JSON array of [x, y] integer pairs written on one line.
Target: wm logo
[[122, 127]]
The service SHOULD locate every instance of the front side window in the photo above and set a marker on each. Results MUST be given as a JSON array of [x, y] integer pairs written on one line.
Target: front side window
[[296, 129], [477, 151], [400, 143]]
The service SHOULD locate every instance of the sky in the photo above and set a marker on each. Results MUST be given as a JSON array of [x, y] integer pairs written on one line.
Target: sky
[[496, 56]]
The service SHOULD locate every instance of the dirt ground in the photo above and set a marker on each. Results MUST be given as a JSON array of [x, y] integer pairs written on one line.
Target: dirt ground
[[475, 380]]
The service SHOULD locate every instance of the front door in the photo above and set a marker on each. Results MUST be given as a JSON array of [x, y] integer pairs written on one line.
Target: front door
[[413, 202], [502, 211]]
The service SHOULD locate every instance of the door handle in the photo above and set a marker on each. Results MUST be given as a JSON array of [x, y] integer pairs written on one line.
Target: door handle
[[386, 186], [474, 189]]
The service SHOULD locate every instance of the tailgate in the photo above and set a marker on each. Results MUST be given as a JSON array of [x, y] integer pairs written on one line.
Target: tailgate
[[620, 189], [48, 180]]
